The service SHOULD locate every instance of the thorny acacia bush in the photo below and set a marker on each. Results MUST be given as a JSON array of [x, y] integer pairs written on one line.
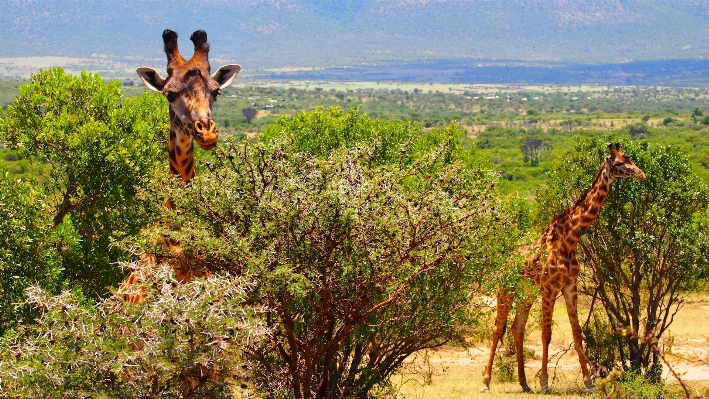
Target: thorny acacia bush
[[365, 252], [183, 340], [648, 248], [103, 150]]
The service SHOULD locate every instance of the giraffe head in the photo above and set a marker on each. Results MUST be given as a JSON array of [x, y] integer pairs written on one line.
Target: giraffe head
[[621, 165], [190, 88]]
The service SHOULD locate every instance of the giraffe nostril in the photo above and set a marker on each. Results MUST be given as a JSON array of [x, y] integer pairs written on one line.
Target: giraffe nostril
[[205, 127], [199, 127]]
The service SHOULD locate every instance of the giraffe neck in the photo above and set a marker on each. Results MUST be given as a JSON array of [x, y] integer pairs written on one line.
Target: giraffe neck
[[180, 149], [586, 210]]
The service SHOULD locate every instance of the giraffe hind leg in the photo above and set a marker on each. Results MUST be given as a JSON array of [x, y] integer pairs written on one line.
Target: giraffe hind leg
[[518, 327], [571, 299], [548, 299], [504, 302]]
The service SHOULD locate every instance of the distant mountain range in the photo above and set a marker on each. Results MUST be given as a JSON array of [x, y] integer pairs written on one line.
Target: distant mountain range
[[278, 33]]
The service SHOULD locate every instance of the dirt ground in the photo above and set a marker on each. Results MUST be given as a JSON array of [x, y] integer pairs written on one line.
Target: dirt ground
[[453, 372]]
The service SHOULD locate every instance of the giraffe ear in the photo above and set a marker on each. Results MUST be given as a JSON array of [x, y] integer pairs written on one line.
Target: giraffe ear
[[226, 74], [151, 78]]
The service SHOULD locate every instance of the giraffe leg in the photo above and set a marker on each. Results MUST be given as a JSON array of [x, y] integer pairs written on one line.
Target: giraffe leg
[[571, 297], [548, 299], [504, 302], [518, 327]]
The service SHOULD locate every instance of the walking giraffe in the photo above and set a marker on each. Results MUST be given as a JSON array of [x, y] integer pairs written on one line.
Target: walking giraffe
[[551, 265], [190, 91]]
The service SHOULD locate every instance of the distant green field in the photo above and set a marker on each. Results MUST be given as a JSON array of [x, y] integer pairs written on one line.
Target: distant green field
[[497, 119]]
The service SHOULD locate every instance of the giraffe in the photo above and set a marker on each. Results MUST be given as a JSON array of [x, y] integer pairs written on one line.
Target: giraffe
[[190, 91], [551, 265]]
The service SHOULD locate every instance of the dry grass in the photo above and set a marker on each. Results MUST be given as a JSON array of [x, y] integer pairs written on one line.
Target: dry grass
[[453, 372]]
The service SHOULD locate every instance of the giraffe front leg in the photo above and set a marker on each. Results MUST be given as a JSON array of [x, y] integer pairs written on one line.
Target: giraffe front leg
[[548, 299], [571, 298], [504, 302]]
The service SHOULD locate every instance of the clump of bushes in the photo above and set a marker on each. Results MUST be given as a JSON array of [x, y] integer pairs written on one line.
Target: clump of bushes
[[368, 239]]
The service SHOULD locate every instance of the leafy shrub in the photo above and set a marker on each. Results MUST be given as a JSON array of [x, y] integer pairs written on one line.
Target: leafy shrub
[[601, 343], [638, 130], [633, 386], [103, 149], [183, 340], [27, 254]]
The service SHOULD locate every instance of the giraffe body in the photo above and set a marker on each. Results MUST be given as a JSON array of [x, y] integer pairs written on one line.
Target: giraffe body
[[191, 91], [551, 265]]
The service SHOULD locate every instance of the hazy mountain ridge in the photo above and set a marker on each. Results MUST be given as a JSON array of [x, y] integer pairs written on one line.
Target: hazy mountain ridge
[[273, 33]]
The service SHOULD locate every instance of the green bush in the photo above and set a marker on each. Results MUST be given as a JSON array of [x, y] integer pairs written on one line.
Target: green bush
[[633, 386], [27, 246], [182, 340], [103, 150]]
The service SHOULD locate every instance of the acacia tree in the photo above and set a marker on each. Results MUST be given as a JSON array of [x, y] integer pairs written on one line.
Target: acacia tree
[[103, 150], [369, 241], [649, 246], [532, 150], [249, 113]]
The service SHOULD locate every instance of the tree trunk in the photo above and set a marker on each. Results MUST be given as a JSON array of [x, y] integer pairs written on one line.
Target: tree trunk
[[636, 356]]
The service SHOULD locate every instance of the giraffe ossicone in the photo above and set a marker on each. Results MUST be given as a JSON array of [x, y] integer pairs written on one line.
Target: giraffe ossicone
[[190, 91], [551, 265]]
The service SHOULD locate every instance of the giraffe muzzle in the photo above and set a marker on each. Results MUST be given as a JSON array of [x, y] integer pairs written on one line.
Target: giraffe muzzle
[[205, 134]]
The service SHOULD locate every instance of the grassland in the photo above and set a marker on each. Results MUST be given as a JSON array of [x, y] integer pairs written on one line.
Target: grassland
[[497, 120], [453, 372]]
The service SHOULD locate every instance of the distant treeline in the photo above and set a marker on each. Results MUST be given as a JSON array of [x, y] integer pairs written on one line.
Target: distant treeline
[[664, 72]]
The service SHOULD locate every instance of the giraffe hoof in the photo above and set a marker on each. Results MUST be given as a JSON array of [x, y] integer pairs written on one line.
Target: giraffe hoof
[[485, 390], [545, 390], [526, 389]]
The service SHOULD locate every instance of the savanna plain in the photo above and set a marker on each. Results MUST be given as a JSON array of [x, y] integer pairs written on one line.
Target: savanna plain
[[522, 131]]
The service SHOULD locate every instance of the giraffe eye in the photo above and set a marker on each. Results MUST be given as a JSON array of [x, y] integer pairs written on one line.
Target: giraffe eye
[[171, 96], [215, 93]]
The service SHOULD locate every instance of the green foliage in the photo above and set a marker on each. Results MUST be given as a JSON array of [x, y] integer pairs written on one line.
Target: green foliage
[[601, 343], [183, 340], [103, 149], [639, 130], [368, 239], [649, 246], [633, 386], [320, 132], [505, 367], [27, 253]]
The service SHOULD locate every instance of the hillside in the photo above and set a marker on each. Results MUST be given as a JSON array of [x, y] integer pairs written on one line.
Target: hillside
[[276, 33]]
